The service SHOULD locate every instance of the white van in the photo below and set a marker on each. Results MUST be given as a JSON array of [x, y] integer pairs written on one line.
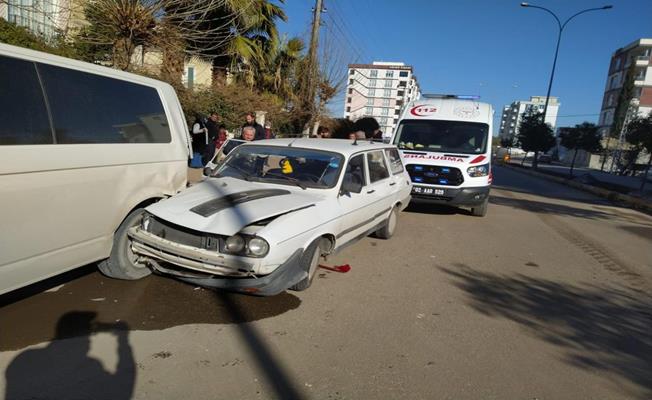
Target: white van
[[83, 148], [445, 141]]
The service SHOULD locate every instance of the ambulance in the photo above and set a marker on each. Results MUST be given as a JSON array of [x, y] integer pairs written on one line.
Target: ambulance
[[445, 141]]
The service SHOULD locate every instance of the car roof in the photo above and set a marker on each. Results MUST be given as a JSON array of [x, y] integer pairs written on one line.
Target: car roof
[[342, 146]]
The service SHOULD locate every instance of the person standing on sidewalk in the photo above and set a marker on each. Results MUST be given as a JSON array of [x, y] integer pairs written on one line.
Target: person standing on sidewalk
[[212, 132], [250, 120]]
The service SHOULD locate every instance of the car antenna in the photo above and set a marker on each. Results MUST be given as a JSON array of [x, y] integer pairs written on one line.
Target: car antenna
[[355, 141], [292, 142]]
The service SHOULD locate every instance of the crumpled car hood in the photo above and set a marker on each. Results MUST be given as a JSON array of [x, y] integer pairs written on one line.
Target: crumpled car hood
[[224, 206]]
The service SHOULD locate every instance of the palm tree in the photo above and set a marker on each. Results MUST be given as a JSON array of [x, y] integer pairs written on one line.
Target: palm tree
[[246, 31]]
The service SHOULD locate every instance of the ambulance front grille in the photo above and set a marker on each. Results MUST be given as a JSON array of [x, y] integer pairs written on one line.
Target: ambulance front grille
[[435, 175]]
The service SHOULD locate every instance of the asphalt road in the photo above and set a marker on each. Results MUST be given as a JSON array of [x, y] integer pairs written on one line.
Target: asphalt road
[[548, 297]]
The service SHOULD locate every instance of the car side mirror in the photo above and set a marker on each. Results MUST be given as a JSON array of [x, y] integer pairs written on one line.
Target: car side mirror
[[351, 184]]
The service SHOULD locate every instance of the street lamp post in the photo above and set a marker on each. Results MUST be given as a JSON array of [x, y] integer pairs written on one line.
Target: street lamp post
[[561, 30]]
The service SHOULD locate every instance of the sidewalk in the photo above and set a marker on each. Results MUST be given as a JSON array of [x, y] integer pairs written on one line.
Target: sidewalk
[[628, 185]]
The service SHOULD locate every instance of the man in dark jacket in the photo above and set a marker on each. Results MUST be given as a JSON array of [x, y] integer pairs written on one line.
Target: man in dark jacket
[[251, 121]]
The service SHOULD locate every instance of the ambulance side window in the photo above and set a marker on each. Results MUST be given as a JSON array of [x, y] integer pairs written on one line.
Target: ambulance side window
[[394, 158]]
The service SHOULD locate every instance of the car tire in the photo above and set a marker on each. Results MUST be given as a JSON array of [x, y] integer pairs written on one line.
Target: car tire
[[309, 262], [122, 262], [388, 229], [480, 210]]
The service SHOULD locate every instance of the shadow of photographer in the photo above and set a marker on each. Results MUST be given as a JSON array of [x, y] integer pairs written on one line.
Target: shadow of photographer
[[64, 370]]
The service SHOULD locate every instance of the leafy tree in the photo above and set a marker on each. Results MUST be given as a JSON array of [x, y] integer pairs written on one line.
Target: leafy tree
[[639, 134], [535, 135], [19, 36], [584, 136]]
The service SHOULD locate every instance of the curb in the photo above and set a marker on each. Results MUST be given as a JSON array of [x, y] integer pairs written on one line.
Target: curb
[[629, 201]]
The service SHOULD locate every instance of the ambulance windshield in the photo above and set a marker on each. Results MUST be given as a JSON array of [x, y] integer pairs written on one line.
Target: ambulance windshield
[[442, 136]]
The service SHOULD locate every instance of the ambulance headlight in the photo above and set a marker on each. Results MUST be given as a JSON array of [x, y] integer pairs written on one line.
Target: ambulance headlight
[[478, 171]]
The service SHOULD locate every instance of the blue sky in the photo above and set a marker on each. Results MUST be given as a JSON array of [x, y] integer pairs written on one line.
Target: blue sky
[[494, 48]]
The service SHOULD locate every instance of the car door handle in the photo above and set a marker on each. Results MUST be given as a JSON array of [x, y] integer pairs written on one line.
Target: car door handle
[[392, 184], [370, 191]]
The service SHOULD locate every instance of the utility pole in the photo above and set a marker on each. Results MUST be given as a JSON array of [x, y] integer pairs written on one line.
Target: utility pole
[[312, 60]]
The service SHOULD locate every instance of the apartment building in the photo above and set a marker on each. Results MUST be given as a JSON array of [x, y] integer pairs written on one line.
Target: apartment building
[[42, 17], [380, 90], [633, 62], [513, 114]]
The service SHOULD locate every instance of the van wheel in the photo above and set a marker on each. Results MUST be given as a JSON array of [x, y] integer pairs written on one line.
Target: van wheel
[[123, 262], [309, 262], [387, 231], [480, 210]]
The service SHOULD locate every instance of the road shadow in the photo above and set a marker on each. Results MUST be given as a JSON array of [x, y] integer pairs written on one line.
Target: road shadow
[[599, 329], [270, 366], [64, 370], [152, 303], [640, 231], [435, 209], [548, 208]]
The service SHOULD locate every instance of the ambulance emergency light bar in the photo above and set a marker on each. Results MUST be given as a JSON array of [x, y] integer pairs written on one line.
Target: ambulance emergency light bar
[[449, 96]]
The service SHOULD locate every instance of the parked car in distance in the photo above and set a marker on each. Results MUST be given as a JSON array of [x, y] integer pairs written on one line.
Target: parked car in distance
[[260, 223], [84, 149]]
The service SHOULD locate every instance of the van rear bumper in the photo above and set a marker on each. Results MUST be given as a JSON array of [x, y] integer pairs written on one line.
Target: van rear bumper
[[472, 196]]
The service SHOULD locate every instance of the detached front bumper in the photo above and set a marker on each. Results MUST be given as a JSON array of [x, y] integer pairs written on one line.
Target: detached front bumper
[[472, 196], [216, 270]]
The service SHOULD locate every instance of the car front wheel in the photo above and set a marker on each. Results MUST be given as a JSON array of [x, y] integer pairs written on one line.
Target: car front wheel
[[310, 263], [123, 262]]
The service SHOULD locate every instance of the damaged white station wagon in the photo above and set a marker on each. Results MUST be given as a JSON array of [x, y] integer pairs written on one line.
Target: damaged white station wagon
[[261, 221]]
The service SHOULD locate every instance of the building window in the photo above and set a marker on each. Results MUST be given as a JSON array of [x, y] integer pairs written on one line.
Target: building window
[[373, 82], [383, 121], [350, 91], [348, 109], [350, 81], [401, 84], [401, 93], [370, 101], [395, 121], [351, 72], [389, 74], [388, 83], [397, 112], [372, 92], [386, 102], [369, 111], [385, 111], [399, 102], [373, 73], [348, 99], [387, 92], [403, 74]]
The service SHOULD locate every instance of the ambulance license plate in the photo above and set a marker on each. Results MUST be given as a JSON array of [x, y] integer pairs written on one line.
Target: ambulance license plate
[[427, 191]]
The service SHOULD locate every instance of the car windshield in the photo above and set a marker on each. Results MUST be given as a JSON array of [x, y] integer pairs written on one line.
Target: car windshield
[[442, 136], [283, 165]]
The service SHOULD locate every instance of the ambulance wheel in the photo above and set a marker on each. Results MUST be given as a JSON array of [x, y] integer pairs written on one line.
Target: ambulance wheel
[[123, 262], [480, 210], [387, 231], [310, 263]]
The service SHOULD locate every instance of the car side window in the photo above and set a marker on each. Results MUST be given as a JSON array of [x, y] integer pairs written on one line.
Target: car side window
[[377, 168], [355, 170], [23, 115], [394, 159]]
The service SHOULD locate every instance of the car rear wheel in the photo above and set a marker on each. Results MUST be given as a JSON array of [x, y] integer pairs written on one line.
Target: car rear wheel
[[387, 231], [123, 263], [310, 263], [480, 210]]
